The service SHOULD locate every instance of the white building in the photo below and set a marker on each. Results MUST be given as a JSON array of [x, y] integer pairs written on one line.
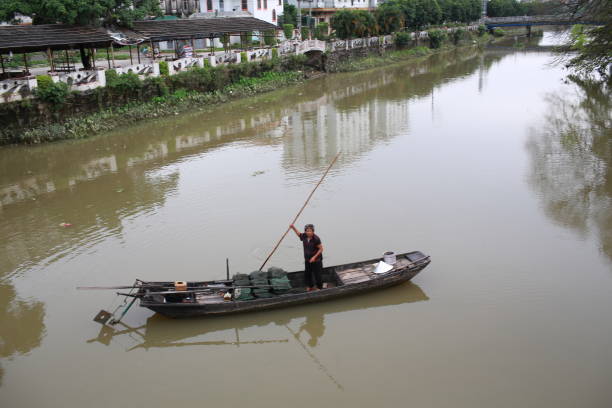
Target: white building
[[323, 10], [266, 10]]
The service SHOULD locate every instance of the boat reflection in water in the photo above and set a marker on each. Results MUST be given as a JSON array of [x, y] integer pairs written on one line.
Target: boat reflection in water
[[160, 331]]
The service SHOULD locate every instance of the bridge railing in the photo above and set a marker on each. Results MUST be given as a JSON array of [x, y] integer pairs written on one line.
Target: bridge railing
[[529, 19]]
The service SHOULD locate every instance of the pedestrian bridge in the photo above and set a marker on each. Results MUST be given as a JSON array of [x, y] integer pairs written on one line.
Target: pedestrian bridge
[[528, 21]]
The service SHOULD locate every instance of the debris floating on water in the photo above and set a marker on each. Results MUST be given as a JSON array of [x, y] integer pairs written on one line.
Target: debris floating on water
[[257, 173], [65, 224]]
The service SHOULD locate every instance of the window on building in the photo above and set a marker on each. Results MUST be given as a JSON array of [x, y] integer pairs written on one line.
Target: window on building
[[245, 5], [266, 4], [209, 5], [259, 4], [273, 15], [280, 2]]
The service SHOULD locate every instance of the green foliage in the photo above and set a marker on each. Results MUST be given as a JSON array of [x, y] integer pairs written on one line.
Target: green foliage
[[402, 39], [111, 76], [80, 12], [482, 30], [289, 15], [457, 35], [54, 93], [270, 37], [244, 58], [389, 17], [305, 33], [163, 68], [275, 53], [43, 81], [123, 84], [321, 31], [288, 30], [354, 23], [436, 38], [498, 32]]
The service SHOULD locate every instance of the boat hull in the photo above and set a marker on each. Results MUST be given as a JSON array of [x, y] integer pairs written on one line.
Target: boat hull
[[182, 310]]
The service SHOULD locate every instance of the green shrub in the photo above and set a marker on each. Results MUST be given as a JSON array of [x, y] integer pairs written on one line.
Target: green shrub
[[275, 53], [436, 38], [288, 31], [111, 76], [402, 39], [458, 35], [270, 37], [125, 83], [305, 33], [43, 81], [482, 29], [54, 93], [157, 83], [244, 58], [163, 68], [498, 32], [321, 31]]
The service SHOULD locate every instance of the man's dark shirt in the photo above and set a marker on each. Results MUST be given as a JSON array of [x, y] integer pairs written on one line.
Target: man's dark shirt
[[311, 247]]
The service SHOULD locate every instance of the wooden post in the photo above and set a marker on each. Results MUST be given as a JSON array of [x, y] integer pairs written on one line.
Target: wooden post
[[152, 50], [93, 58], [2, 63], [25, 63], [67, 60], [108, 58], [50, 58], [130, 48], [112, 49], [138, 52], [193, 54]]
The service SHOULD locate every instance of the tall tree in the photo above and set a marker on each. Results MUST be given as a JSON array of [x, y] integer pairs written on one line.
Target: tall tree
[[79, 12], [589, 48]]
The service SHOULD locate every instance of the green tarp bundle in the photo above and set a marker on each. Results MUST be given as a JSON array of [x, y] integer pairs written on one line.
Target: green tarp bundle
[[241, 279], [279, 280], [259, 278]]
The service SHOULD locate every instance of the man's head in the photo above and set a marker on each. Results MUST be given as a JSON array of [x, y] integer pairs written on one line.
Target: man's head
[[309, 230]]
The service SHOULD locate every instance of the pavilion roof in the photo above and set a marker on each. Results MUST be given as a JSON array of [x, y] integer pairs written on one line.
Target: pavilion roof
[[164, 30], [30, 38]]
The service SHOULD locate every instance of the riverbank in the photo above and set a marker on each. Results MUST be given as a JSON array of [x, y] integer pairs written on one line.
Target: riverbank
[[189, 93]]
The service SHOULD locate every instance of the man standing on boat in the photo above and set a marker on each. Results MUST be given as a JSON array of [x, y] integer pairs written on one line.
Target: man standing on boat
[[313, 257]]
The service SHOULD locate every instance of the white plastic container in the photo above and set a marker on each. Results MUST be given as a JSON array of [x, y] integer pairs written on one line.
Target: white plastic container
[[389, 257]]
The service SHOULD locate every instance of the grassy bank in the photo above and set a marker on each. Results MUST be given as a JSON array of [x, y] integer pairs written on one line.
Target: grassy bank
[[402, 55], [171, 104]]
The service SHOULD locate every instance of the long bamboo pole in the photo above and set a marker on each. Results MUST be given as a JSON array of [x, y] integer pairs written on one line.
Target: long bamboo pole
[[301, 209]]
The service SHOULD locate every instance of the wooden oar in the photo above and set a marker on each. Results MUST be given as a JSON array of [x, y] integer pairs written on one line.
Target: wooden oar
[[300, 212]]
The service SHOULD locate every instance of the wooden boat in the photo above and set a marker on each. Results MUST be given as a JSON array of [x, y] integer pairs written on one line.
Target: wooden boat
[[206, 298]]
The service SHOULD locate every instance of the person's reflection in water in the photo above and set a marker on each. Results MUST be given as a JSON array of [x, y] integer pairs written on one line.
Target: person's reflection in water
[[314, 326]]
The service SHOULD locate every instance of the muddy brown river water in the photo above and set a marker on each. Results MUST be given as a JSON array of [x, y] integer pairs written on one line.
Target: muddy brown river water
[[488, 161]]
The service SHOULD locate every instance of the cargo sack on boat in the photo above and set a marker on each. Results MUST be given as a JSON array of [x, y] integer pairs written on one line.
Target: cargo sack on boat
[[280, 285], [274, 272], [259, 278], [243, 294], [241, 279]]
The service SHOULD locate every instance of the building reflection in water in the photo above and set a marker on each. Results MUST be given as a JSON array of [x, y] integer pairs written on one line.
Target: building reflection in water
[[21, 324], [571, 160]]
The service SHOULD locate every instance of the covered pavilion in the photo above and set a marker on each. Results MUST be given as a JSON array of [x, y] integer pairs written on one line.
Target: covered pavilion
[[52, 39]]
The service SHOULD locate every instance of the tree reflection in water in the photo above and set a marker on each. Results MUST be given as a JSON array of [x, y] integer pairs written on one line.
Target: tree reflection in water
[[571, 157], [21, 323]]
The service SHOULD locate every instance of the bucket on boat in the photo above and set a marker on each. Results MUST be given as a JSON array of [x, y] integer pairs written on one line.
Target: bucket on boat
[[389, 257], [180, 285]]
